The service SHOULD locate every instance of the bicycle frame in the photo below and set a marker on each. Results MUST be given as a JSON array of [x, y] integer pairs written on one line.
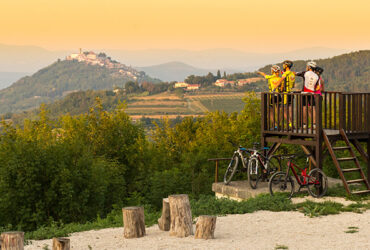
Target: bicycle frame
[[293, 167], [262, 160], [239, 152]]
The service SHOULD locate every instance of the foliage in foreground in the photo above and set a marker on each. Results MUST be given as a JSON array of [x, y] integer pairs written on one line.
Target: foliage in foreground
[[75, 168]]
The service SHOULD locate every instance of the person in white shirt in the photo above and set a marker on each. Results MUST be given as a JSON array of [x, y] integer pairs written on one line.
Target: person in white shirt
[[311, 79]]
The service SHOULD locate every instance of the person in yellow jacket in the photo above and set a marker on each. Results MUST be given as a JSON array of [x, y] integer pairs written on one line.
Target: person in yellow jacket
[[273, 81], [286, 84]]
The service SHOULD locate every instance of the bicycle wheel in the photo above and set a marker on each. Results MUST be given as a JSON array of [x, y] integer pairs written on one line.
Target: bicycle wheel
[[317, 183], [231, 169], [279, 183], [254, 172]]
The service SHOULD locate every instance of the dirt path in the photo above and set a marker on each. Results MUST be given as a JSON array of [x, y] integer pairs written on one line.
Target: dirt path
[[259, 230]]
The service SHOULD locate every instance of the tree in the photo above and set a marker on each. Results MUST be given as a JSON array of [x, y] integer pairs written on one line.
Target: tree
[[132, 87], [148, 86], [224, 74], [218, 74]]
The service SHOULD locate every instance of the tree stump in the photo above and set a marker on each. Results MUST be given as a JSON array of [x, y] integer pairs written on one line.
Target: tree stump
[[205, 227], [12, 241], [165, 221], [180, 213], [61, 244], [133, 222]]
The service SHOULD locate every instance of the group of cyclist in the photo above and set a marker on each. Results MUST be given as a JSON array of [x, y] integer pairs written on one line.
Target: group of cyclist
[[312, 84]]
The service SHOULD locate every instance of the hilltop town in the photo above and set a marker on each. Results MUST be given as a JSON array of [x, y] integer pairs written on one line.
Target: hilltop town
[[101, 59]]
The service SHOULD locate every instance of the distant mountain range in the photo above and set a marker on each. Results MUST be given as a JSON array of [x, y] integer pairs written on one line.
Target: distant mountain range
[[32, 58], [219, 58], [178, 71]]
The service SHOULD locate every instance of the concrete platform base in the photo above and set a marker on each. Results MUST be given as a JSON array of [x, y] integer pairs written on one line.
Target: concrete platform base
[[238, 190], [241, 190]]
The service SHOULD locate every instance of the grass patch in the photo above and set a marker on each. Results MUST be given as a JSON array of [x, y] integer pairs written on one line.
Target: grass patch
[[281, 247], [313, 209], [351, 230], [113, 219], [212, 206], [339, 191]]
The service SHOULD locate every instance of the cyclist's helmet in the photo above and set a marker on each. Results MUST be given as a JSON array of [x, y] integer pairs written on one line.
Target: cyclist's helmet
[[275, 68], [312, 64], [319, 70], [288, 63]]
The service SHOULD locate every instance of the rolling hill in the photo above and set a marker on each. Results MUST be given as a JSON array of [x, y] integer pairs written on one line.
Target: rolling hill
[[60, 78], [152, 106]]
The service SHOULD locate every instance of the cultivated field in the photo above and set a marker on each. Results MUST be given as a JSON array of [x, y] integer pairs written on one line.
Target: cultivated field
[[171, 105]]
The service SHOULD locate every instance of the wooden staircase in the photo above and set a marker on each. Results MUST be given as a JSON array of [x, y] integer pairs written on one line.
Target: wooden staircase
[[352, 158]]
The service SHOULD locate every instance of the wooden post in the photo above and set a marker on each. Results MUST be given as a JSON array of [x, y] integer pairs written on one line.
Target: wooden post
[[263, 117], [342, 114], [181, 220], [133, 222], [367, 114], [12, 241], [368, 160], [205, 227], [61, 244], [165, 221], [216, 172], [319, 135]]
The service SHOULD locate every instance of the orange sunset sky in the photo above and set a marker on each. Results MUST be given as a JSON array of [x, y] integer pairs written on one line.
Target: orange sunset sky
[[261, 26]]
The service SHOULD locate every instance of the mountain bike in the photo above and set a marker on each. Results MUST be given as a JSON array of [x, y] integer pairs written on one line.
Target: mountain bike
[[315, 181], [241, 154], [261, 167]]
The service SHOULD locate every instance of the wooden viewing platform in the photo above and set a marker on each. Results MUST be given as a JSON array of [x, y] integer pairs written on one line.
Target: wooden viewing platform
[[339, 116]]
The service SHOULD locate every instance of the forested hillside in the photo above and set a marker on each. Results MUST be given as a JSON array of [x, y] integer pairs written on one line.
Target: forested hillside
[[59, 79], [347, 72], [73, 104]]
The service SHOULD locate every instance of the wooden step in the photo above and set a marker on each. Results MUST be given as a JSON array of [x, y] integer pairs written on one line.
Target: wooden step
[[341, 148], [355, 181], [346, 159], [351, 169], [361, 192]]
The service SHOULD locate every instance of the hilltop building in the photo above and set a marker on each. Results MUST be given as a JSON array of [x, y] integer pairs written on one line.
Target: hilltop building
[[241, 82], [102, 60], [181, 85], [192, 87], [223, 83]]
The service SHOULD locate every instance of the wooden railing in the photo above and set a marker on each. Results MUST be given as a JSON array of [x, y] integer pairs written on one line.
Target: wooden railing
[[330, 112], [355, 112], [294, 114]]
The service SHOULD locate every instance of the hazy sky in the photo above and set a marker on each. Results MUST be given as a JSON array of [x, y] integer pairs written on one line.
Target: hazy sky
[[260, 25]]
